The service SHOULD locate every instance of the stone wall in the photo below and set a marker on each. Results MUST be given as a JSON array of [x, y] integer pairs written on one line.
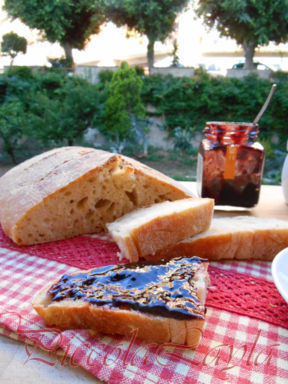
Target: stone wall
[[157, 136], [174, 71], [91, 73], [240, 73]]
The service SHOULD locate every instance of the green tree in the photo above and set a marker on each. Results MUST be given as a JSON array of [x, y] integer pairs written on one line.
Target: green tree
[[61, 115], [124, 105], [68, 22], [13, 123], [12, 45], [153, 18], [251, 23], [81, 104]]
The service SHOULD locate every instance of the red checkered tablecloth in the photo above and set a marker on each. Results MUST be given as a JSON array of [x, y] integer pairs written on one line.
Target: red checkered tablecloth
[[235, 348]]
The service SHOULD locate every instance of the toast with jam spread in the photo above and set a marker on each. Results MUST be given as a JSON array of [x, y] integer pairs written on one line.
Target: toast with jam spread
[[164, 302]]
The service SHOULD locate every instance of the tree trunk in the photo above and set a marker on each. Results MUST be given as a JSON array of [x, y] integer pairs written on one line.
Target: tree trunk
[[68, 54], [10, 152], [249, 50], [12, 60], [150, 54]]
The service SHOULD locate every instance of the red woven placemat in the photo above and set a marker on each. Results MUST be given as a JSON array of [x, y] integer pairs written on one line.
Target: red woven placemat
[[247, 295], [235, 292], [83, 252]]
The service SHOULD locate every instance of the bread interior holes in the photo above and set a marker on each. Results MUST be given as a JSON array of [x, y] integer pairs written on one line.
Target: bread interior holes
[[81, 203], [102, 203], [132, 196]]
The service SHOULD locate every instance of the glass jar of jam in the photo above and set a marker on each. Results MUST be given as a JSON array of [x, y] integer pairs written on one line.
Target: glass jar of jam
[[230, 164]]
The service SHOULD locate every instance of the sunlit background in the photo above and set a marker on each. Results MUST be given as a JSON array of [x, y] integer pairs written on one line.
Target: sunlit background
[[197, 46]]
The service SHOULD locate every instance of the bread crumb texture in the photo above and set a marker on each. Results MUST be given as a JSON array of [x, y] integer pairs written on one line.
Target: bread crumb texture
[[73, 190], [146, 231]]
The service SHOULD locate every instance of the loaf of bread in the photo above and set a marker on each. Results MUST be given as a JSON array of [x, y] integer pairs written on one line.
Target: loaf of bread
[[240, 237], [73, 190], [163, 302], [148, 230]]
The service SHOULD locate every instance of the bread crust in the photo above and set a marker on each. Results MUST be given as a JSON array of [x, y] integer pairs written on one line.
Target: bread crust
[[43, 183], [69, 314], [241, 238]]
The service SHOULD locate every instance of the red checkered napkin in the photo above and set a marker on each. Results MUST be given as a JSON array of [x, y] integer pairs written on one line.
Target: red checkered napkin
[[234, 348]]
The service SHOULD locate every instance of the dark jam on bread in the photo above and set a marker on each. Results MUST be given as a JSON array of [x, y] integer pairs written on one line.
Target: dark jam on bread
[[165, 289]]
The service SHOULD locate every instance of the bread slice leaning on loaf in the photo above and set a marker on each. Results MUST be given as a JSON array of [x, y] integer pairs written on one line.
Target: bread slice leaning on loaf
[[239, 237], [73, 190], [148, 230], [162, 303]]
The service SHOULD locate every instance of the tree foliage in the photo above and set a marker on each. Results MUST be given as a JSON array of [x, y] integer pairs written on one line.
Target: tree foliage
[[12, 45], [124, 104], [63, 109], [250, 22], [153, 18], [189, 103], [68, 22], [13, 126], [40, 110]]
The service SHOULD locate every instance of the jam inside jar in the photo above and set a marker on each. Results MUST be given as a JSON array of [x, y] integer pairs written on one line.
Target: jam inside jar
[[230, 164]]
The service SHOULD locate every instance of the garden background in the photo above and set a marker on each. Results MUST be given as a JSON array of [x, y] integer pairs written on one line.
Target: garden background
[[48, 107]]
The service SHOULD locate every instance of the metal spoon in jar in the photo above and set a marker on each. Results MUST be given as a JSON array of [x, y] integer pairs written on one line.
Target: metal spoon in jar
[[265, 105]]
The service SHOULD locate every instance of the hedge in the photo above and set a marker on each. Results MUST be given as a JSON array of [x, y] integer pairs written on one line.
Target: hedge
[[57, 109]]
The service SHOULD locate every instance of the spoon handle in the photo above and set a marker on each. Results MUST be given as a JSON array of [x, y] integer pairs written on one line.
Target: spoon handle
[[265, 105]]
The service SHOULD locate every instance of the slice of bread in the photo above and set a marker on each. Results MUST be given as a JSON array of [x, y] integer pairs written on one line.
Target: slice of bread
[[239, 237], [148, 230], [73, 190], [163, 302]]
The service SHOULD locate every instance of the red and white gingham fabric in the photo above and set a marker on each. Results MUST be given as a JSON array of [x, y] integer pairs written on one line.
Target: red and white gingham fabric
[[234, 348]]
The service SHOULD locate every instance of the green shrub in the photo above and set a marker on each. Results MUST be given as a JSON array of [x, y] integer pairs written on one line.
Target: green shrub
[[188, 103], [105, 76], [50, 108], [60, 108], [13, 127], [124, 106], [80, 103], [20, 71]]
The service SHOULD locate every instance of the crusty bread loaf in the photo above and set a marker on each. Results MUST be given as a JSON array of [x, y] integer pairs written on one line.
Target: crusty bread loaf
[[122, 299], [239, 237], [73, 190], [148, 230]]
